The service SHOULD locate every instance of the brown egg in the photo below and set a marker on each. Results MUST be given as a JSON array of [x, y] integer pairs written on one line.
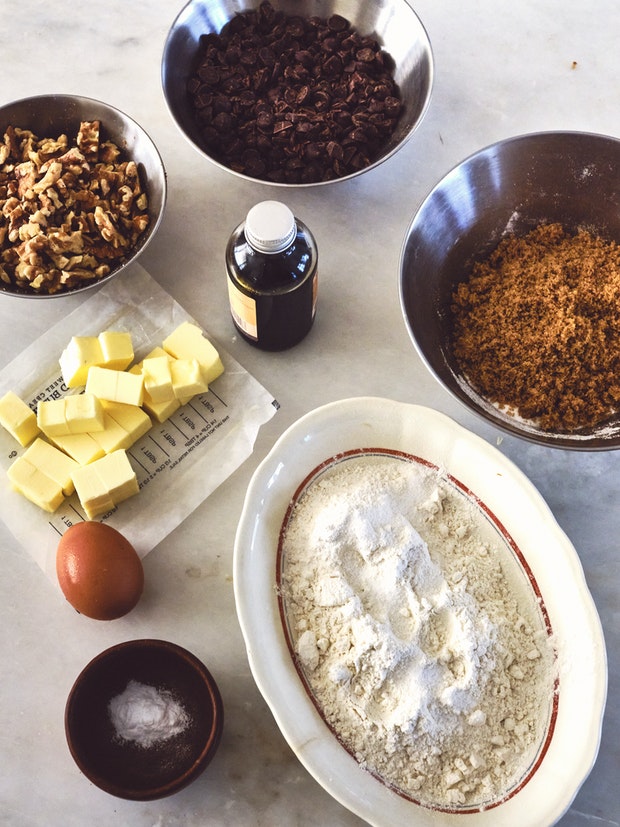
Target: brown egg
[[99, 570]]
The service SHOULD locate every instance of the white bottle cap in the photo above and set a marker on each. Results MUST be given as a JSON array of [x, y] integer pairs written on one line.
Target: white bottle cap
[[270, 227]]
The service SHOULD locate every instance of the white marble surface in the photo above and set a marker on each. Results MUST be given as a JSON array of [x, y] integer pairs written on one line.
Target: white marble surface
[[502, 68]]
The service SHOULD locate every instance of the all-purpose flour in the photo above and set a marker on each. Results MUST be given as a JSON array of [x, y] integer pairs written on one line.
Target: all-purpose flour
[[417, 632]]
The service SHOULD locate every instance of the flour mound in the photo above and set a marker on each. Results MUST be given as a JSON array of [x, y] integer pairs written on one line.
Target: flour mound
[[432, 668]]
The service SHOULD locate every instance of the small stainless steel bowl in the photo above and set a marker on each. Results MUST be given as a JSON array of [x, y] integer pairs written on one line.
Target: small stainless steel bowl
[[49, 116], [126, 768], [393, 22], [511, 186]]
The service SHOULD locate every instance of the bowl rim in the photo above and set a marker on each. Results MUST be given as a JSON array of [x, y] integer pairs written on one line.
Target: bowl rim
[[208, 749], [374, 165], [466, 395], [152, 229]]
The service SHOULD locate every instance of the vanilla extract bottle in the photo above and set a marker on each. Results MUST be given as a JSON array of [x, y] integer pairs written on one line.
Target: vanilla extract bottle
[[271, 263]]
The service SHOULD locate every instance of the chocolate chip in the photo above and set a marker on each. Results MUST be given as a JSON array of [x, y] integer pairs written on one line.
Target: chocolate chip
[[337, 23]]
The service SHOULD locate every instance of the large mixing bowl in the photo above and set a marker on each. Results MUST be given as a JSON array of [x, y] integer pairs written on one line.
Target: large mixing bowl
[[393, 22], [509, 187]]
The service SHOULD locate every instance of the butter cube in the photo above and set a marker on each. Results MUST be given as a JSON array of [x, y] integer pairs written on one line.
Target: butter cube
[[80, 354], [158, 378], [187, 380], [52, 462], [117, 474], [83, 413], [93, 493], [18, 419], [157, 351], [115, 385], [132, 419], [113, 436], [111, 349], [117, 349], [187, 342], [51, 417], [80, 447], [76, 414], [104, 484], [160, 411], [35, 485]]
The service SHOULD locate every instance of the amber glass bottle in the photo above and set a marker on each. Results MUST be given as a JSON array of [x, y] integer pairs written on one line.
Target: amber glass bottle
[[271, 262]]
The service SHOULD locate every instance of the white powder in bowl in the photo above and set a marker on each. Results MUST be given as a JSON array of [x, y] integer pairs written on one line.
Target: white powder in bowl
[[147, 715], [417, 631]]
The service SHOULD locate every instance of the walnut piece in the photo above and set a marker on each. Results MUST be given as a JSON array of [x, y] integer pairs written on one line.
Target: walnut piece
[[70, 213]]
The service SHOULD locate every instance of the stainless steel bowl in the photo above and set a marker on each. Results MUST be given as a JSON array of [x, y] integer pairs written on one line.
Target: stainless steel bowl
[[393, 22], [514, 185], [52, 115]]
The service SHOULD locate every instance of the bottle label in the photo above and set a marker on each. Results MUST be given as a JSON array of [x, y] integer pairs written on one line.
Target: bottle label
[[243, 310]]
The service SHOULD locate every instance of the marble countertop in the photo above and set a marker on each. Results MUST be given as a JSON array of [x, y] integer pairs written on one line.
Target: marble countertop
[[502, 68]]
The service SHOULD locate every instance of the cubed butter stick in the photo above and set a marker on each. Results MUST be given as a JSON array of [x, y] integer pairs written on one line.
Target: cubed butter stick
[[84, 413], [187, 380], [188, 342], [18, 419], [116, 348], [113, 437], [135, 421], [76, 414], [35, 485], [105, 483], [43, 475], [93, 493], [81, 447], [52, 462], [116, 385], [117, 474], [111, 349], [158, 378], [124, 425], [76, 359], [160, 411]]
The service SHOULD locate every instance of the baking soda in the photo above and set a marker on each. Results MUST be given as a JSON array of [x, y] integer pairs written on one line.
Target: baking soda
[[147, 715]]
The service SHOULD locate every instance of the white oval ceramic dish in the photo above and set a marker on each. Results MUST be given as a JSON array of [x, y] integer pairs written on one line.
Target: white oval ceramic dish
[[553, 565]]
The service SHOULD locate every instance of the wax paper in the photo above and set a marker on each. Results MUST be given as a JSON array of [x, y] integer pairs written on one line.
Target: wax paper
[[179, 463]]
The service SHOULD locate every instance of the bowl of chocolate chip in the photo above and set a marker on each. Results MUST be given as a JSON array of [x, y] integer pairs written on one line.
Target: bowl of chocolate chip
[[297, 93], [82, 193], [510, 287]]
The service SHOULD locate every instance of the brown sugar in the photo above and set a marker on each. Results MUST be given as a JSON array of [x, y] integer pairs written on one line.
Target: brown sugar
[[536, 327]]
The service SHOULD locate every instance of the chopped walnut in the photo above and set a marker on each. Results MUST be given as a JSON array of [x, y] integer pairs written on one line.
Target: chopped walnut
[[52, 173], [25, 175], [88, 139], [69, 212]]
